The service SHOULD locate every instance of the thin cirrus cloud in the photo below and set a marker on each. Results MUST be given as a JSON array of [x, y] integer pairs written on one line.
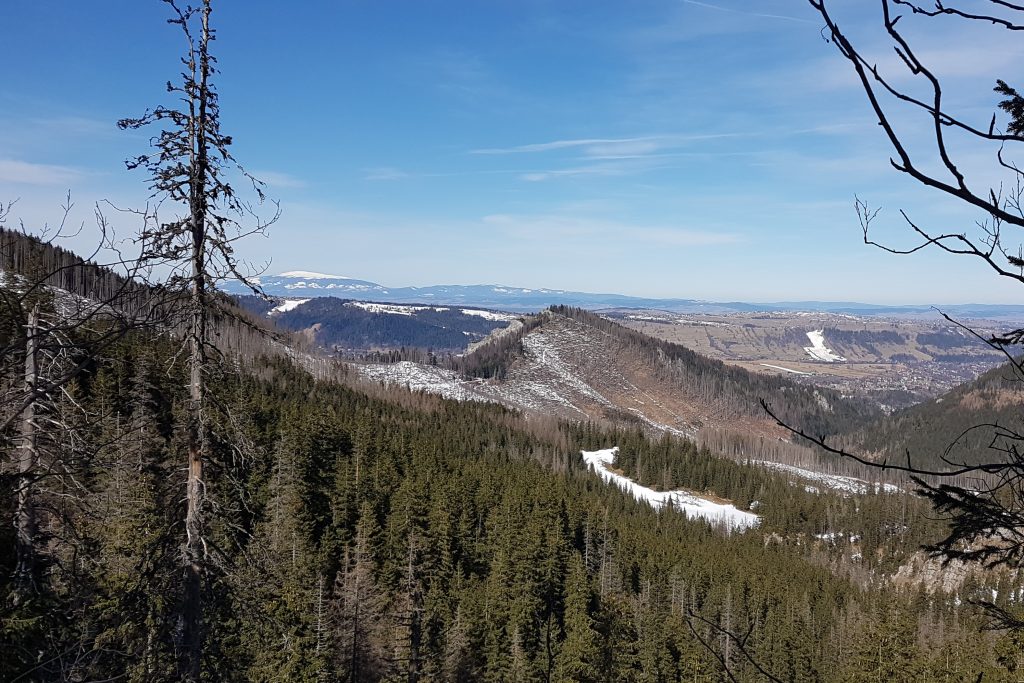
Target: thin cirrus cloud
[[28, 173], [598, 147], [276, 179], [760, 15]]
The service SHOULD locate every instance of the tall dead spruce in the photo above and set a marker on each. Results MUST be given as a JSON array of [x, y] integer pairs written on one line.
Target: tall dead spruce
[[188, 173]]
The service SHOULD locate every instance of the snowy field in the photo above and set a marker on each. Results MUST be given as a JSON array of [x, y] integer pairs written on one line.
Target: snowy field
[[682, 501]]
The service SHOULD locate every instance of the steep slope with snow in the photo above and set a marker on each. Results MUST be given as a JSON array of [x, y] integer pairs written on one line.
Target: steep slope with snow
[[577, 366]]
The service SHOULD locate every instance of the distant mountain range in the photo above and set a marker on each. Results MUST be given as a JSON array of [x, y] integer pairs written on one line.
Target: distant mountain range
[[306, 284]]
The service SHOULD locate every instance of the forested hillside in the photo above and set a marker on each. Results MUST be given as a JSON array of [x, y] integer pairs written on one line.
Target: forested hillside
[[604, 370], [363, 538], [968, 425], [351, 327], [188, 494], [366, 536]]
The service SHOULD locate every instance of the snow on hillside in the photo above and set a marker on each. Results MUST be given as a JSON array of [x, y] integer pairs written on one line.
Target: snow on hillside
[[490, 315], [541, 347], [416, 377], [287, 305], [393, 309], [309, 275], [496, 333], [835, 482], [818, 351], [682, 501]]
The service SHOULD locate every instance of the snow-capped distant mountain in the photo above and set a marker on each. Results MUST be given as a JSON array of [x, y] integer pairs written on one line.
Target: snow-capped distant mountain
[[303, 284], [298, 283]]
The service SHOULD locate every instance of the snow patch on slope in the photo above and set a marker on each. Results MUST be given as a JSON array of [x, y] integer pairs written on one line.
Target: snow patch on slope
[[287, 305], [309, 275], [543, 350], [683, 501], [835, 482], [416, 377], [490, 315], [818, 351], [393, 309]]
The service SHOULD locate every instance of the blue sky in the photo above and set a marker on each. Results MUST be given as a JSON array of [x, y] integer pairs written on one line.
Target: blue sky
[[692, 149]]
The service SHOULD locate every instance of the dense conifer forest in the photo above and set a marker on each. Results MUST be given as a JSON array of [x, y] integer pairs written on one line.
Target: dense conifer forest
[[339, 326], [967, 425], [386, 535]]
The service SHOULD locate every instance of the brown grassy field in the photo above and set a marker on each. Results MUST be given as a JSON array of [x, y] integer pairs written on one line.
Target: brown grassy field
[[904, 359]]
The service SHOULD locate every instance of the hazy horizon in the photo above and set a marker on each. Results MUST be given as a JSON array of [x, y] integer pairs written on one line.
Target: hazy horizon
[[663, 149]]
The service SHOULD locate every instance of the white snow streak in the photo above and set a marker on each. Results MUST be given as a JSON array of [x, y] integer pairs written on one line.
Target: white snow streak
[[681, 501], [779, 367], [818, 351]]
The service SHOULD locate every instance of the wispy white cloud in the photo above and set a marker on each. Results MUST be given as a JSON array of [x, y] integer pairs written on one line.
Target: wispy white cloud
[[762, 15], [276, 179], [28, 173], [598, 147], [567, 144], [607, 169]]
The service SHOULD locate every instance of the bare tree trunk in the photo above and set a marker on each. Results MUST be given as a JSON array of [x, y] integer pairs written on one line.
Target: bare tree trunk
[[321, 630], [194, 492], [195, 545], [25, 515]]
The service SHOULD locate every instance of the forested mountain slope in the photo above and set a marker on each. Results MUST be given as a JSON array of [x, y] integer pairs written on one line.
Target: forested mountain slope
[[361, 538], [372, 534], [959, 426], [577, 365], [346, 326]]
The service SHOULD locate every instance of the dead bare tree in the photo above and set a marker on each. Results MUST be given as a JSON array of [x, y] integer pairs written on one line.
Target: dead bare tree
[[58, 314], [188, 171]]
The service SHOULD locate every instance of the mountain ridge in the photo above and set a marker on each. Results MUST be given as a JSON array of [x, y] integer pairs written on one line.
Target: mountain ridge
[[302, 283]]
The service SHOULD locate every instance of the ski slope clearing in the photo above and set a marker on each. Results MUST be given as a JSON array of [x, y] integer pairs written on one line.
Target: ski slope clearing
[[818, 351], [690, 505], [835, 482], [287, 305]]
